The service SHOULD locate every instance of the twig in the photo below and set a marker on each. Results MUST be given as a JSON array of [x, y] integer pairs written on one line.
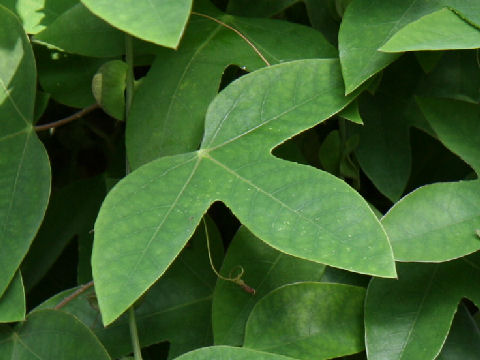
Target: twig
[[68, 119], [236, 32], [73, 295]]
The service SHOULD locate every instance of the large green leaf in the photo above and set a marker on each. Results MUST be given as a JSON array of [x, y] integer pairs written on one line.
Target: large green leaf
[[409, 318], [12, 302], [436, 222], [256, 8], [308, 321], [368, 24], [24, 166], [167, 312], [160, 21], [457, 125], [76, 30], [265, 270], [37, 14], [49, 334], [313, 215], [463, 341], [185, 81], [440, 30], [231, 353]]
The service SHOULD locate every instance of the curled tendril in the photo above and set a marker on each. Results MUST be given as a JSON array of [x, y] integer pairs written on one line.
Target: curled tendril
[[235, 279]]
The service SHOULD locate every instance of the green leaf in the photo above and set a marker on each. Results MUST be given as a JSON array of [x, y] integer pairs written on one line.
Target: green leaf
[[265, 269], [12, 302], [330, 153], [231, 353], [441, 30], [256, 8], [409, 318], [24, 166], [352, 113], [76, 30], [308, 320], [258, 111], [457, 126], [71, 212], [166, 312], [160, 22], [67, 78], [368, 24], [169, 108], [37, 14], [108, 87], [463, 341], [49, 334], [436, 222]]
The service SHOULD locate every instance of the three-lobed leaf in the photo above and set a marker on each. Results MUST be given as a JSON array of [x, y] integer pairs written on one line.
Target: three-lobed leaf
[[186, 81], [312, 215]]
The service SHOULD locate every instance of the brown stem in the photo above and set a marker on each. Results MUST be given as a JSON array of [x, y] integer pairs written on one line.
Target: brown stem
[[73, 295], [237, 32], [68, 119]]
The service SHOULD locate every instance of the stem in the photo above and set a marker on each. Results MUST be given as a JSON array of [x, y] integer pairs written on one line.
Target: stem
[[130, 78], [73, 295], [134, 334], [68, 119], [128, 103], [236, 32]]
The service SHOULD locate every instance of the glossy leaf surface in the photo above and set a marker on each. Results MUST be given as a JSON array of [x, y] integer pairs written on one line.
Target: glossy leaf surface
[[457, 125], [259, 110], [49, 334], [440, 30], [308, 320], [463, 341], [80, 32], [12, 302], [167, 312], [435, 222], [368, 24], [231, 353], [168, 112], [24, 166], [410, 317], [265, 270], [160, 22]]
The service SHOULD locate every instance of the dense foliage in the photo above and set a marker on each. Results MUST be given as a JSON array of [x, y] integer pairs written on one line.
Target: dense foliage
[[239, 179]]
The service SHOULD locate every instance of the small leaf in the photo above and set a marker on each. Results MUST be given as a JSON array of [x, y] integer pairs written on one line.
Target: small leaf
[[409, 318], [457, 126], [329, 224], [368, 25], [441, 30], [160, 22], [352, 113], [80, 32], [435, 222], [12, 302], [67, 78], [108, 87], [308, 321], [265, 269], [24, 166], [231, 353], [49, 334]]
